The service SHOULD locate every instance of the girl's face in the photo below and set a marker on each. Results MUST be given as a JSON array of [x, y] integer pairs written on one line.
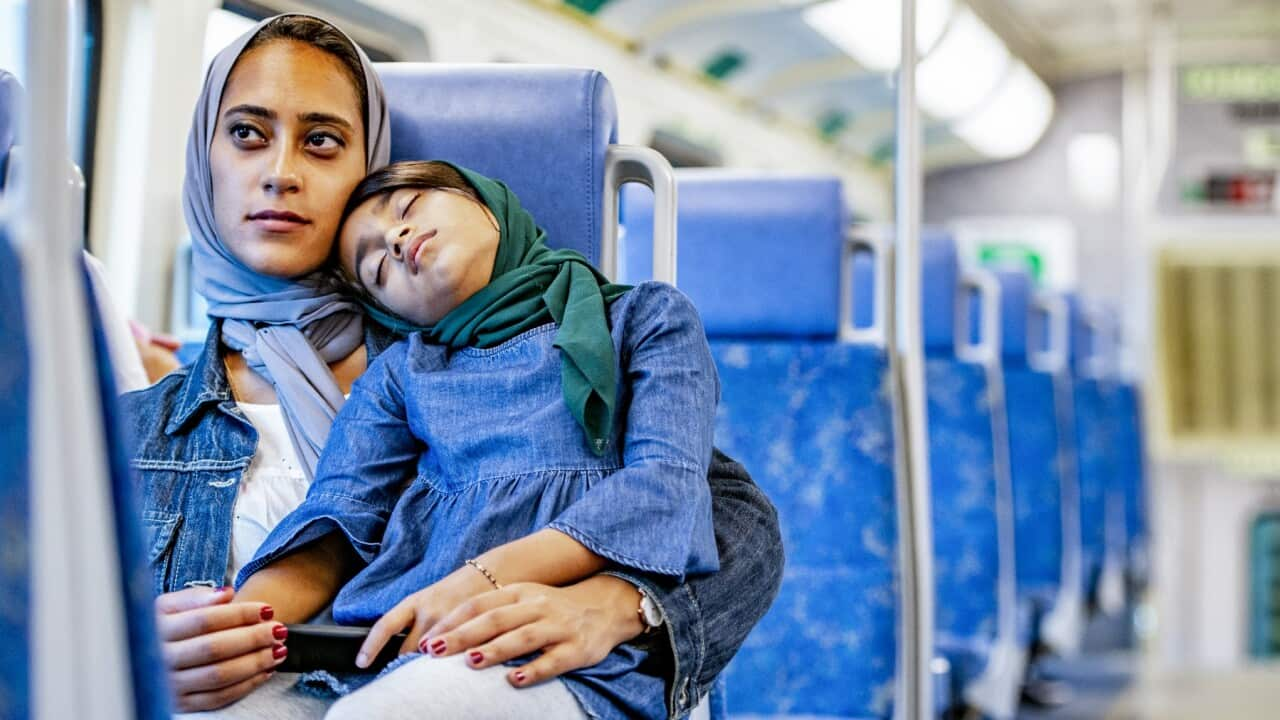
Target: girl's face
[[288, 149], [419, 252]]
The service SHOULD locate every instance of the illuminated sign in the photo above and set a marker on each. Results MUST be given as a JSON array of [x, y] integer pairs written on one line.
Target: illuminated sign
[[1232, 83]]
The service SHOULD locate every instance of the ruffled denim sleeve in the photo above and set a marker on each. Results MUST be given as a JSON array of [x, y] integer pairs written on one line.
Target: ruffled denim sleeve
[[654, 514], [370, 453]]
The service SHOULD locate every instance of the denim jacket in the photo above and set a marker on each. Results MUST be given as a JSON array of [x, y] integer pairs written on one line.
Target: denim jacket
[[191, 446]]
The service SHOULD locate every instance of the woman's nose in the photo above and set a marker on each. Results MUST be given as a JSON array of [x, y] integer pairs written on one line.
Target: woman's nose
[[282, 176], [396, 238]]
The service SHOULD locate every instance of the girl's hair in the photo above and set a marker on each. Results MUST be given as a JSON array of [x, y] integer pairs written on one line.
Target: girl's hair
[[322, 36]]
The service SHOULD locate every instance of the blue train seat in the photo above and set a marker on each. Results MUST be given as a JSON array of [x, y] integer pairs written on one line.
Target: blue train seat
[[972, 508], [1130, 460], [811, 418], [1094, 438], [1034, 465]]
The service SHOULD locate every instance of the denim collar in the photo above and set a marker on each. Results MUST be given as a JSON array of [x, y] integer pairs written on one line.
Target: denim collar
[[207, 382]]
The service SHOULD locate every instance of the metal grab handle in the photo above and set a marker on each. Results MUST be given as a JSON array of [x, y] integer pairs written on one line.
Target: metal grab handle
[[987, 348], [631, 163], [877, 332], [1057, 324]]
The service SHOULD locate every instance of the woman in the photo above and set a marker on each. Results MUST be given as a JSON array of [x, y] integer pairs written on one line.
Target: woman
[[291, 117]]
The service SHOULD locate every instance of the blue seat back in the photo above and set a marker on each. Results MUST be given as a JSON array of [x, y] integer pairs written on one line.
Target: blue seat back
[[962, 472], [741, 233], [1093, 444], [811, 419], [1131, 467], [1033, 447], [15, 578], [542, 130]]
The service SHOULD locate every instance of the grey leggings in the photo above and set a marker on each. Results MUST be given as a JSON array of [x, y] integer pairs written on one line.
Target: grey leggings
[[442, 688]]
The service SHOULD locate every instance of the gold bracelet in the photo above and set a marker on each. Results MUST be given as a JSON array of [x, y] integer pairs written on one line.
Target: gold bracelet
[[485, 572]]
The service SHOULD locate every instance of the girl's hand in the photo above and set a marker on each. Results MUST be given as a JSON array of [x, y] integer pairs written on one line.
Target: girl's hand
[[574, 626], [421, 610], [216, 651]]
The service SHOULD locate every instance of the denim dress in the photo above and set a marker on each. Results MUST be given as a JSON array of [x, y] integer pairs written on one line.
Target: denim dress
[[441, 455]]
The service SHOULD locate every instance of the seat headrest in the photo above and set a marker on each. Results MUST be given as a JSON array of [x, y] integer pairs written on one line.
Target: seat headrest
[[11, 94], [542, 130], [758, 254], [939, 283], [1015, 314]]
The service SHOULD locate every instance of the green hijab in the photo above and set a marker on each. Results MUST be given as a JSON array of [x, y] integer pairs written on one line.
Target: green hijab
[[533, 285]]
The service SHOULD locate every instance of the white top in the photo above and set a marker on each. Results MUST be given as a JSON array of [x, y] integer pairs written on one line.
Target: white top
[[272, 487]]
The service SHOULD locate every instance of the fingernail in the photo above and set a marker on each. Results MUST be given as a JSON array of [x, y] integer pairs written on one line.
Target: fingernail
[[267, 613], [279, 651], [438, 646], [280, 632], [220, 589], [475, 657], [519, 677], [362, 660]]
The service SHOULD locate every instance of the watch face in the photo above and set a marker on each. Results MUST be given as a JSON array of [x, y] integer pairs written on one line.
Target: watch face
[[652, 617]]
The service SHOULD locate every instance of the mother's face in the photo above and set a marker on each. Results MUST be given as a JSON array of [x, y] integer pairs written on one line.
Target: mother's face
[[287, 151]]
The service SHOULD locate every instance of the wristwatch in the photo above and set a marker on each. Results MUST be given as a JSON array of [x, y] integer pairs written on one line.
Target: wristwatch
[[650, 615]]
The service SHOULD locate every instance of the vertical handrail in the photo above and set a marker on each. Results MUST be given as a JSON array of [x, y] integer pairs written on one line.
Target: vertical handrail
[[631, 163], [915, 528], [79, 664]]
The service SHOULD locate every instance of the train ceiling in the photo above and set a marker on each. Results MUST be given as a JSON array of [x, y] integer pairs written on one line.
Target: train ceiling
[[782, 59]]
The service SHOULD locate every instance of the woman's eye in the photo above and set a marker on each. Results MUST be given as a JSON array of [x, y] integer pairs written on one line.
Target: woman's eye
[[323, 141], [246, 133], [405, 213]]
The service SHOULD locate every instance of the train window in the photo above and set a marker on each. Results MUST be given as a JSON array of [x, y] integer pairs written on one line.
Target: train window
[[85, 31]]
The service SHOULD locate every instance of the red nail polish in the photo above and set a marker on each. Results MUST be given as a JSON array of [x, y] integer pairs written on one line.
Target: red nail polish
[[475, 657], [279, 651], [520, 677], [438, 646], [267, 613], [280, 632]]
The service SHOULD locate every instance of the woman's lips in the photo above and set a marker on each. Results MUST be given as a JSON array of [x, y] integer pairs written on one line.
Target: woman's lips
[[415, 247], [278, 221]]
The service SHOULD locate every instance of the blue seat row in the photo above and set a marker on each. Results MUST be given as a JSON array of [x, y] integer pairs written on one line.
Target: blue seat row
[[812, 416]]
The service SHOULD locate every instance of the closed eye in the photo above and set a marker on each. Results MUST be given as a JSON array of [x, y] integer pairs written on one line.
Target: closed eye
[[377, 274], [405, 213]]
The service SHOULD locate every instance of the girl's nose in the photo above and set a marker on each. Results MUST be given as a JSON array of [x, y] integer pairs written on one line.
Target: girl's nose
[[396, 238]]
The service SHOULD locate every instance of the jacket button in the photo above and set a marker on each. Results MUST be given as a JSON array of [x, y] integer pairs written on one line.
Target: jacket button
[[683, 699]]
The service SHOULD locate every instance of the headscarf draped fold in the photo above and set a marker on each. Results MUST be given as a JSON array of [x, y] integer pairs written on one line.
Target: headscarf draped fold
[[288, 330], [534, 285]]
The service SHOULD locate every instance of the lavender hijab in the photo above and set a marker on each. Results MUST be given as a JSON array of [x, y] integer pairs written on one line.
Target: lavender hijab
[[288, 330]]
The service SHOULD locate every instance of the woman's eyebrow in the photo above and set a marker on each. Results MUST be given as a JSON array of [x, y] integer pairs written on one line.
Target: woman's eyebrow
[[255, 110], [329, 118]]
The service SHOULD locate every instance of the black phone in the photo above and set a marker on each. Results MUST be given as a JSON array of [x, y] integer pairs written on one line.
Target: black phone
[[333, 648]]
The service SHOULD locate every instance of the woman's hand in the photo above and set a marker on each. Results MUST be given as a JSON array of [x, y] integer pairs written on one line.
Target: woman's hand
[[216, 651], [422, 610], [574, 626]]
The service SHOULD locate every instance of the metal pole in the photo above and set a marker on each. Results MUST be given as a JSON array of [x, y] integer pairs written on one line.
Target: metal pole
[[79, 661], [917, 535]]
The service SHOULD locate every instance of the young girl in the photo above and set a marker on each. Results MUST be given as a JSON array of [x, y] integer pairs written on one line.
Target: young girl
[[538, 425]]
